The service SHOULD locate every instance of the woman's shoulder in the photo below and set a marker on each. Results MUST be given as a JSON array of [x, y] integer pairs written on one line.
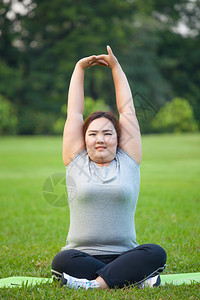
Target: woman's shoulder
[[79, 159], [126, 158]]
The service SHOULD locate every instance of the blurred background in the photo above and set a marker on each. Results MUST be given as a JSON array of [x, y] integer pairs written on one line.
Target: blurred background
[[156, 41]]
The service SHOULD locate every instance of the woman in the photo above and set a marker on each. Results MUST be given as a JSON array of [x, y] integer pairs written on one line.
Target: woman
[[102, 157]]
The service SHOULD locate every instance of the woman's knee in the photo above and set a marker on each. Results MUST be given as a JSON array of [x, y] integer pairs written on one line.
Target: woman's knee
[[156, 252], [61, 260], [159, 253]]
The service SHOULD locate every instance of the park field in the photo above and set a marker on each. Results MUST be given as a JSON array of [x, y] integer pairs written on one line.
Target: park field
[[33, 231]]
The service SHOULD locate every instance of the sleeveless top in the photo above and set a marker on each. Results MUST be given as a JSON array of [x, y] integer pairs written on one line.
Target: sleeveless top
[[102, 203]]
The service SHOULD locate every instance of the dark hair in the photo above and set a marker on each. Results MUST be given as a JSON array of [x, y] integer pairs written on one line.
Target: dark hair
[[102, 114]]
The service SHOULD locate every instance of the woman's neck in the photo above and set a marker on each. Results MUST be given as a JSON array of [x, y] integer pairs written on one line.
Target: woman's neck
[[103, 164]]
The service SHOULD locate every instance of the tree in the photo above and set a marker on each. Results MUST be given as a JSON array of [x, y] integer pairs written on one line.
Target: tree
[[8, 118], [41, 42], [175, 116]]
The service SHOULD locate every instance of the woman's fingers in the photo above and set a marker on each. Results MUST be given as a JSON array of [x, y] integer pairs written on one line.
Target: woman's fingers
[[102, 62], [97, 64], [109, 50], [103, 57], [107, 60], [97, 61]]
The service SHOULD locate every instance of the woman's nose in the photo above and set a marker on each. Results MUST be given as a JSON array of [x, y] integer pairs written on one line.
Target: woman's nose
[[100, 138]]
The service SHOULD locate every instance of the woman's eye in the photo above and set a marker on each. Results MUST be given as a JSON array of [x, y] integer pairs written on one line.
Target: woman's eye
[[94, 134]]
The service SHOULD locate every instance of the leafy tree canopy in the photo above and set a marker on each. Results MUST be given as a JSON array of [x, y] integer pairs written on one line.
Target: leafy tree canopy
[[40, 42]]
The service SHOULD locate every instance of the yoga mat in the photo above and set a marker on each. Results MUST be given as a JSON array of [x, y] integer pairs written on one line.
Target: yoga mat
[[176, 279], [19, 281]]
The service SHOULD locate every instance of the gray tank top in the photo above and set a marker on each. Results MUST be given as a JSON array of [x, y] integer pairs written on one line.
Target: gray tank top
[[102, 202]]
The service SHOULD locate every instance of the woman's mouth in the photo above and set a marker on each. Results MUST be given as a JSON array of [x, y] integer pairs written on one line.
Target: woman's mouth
[[100, 148]]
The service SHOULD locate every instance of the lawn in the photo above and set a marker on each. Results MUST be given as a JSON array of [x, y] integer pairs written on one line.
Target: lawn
[[33, 231]]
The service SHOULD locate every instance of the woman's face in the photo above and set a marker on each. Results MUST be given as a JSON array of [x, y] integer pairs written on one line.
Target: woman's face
[[101, 141]]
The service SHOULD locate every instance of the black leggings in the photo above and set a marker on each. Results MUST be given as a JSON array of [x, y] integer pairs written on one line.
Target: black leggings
[[130, 267]]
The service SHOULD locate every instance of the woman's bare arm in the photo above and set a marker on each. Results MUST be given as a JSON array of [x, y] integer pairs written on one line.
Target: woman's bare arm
[[73, 139], [130, 140]]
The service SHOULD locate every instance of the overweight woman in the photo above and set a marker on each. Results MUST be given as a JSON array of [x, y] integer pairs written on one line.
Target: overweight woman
[[102, 156]]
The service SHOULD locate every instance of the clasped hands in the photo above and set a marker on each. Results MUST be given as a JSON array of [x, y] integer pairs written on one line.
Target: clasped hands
[[106, 60]]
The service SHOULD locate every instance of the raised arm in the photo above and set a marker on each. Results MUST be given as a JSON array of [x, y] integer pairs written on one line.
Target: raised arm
[[130, 140], [73, 139]]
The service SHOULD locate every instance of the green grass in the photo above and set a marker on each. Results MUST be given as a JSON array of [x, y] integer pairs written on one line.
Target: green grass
[[33, 231]]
